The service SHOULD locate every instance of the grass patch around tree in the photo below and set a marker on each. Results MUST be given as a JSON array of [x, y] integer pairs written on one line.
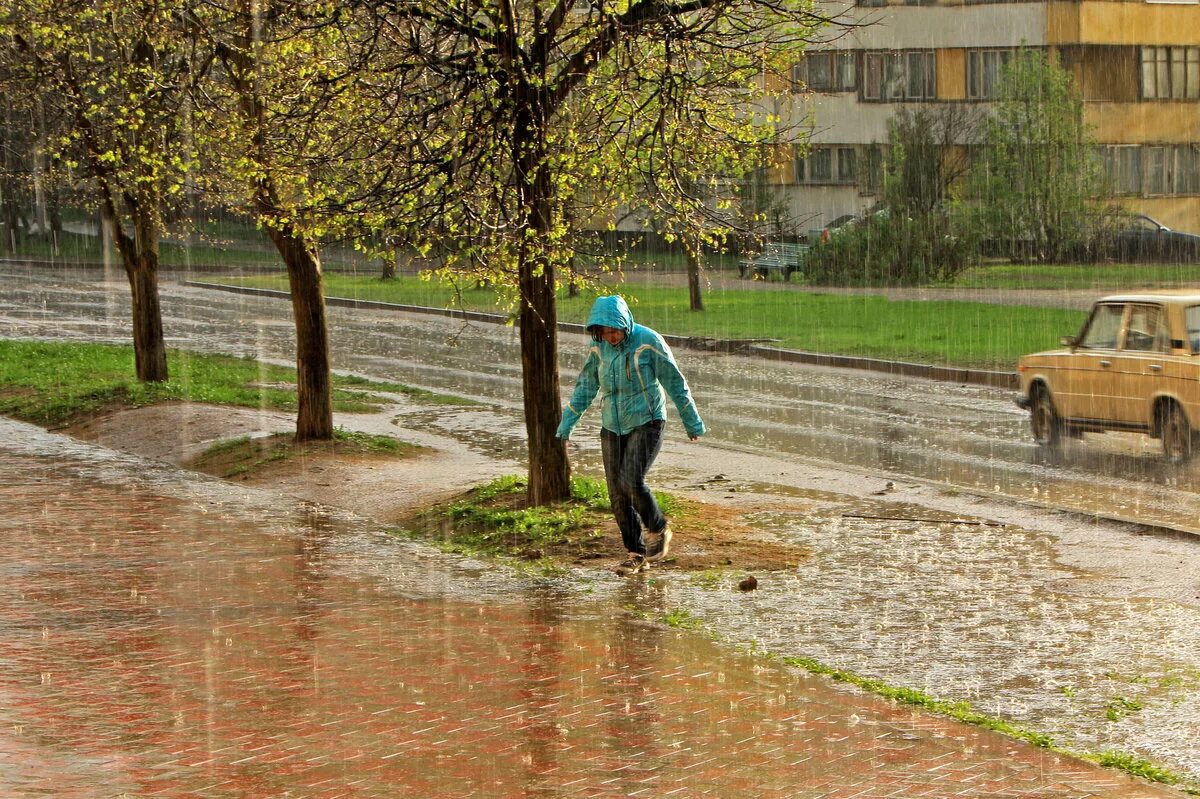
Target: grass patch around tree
[[245, 456], [53, 384], [495, 521]]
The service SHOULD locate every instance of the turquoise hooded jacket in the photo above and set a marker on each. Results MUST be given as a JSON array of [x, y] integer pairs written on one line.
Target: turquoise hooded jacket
[[630, 377]]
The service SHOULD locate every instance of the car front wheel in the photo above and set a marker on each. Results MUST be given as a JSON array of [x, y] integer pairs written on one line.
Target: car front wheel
[[1047, 427], [1176, 435]]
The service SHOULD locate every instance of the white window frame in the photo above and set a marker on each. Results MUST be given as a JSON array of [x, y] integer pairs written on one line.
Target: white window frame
[[1172, 170], [1170, 72], [1124, 166], [894, 69], [983, 77], [841, 164], [842, 66]]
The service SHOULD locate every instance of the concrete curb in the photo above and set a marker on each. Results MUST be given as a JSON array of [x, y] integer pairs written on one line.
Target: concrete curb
[[981, 377]]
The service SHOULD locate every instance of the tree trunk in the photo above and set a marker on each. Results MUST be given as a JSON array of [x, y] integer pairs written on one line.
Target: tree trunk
[[572, 278], [549, 469], [693, 270], [149, 348], [314, 418], [12, 222], [139, 255]]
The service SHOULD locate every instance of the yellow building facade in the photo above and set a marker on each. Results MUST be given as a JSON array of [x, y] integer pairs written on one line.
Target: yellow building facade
[[1135, 63]]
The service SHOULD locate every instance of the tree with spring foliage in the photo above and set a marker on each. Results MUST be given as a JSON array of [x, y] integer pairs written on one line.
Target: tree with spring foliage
[[527, 116], [297, 120], [112, 77], [1038, 180]]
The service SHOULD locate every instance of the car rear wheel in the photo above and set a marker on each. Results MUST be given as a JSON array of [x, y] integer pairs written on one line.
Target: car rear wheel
[[1043, 419], [1176, 434]]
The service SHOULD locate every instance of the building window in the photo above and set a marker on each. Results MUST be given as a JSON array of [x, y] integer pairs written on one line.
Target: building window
[[904, 75], [827, 71], [1123, 165], [873, 173], [1172, 169], [827, 164], [1171, 73], [983, 72]]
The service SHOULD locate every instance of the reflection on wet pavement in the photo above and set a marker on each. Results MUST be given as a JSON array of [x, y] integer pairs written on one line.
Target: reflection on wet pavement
[[169, 635]]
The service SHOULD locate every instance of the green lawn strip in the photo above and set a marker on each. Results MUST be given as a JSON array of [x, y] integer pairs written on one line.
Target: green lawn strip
[[951, 333], [680, 618], [962, 711], [244, 455], [1106, 278], [54, 383]]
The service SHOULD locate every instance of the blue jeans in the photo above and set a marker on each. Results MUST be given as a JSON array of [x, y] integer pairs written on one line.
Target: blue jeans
[[627, 458]]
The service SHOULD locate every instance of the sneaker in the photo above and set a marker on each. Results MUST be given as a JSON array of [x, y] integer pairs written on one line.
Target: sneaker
[[660, 550], [631, 565]]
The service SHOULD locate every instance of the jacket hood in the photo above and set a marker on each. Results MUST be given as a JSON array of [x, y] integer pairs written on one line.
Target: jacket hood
[[611, 311]]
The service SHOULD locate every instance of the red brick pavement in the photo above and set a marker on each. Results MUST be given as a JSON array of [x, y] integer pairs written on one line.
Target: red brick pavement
[[152, 651]]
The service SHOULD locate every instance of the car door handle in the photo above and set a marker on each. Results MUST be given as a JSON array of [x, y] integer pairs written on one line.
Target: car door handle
[[1106, 364], [1156, 367]]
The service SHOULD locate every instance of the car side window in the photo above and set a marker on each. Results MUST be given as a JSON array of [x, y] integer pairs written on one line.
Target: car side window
[[1191, 317], [1145, 333], [1103, 327]]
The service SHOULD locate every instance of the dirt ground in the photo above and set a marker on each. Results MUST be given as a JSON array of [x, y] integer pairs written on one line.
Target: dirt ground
[[710, 535]]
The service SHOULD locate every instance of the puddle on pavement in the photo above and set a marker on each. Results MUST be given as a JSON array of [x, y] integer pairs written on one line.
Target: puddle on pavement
[[961, 612], [169, 635]]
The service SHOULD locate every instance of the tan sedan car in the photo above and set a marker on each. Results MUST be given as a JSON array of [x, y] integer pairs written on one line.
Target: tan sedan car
[[1134, 366]]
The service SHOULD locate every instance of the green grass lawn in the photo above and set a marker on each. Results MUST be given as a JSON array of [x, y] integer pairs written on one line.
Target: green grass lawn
[[944, 332], [52, 383], [1099, 277]]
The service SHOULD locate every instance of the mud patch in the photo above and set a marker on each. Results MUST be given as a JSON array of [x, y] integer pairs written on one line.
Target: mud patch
[[707, 537]]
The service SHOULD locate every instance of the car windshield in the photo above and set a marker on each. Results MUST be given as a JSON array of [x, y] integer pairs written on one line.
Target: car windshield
[[1103, 327]]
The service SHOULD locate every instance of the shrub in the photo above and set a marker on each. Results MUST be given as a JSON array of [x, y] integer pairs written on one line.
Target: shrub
[[891, 250]]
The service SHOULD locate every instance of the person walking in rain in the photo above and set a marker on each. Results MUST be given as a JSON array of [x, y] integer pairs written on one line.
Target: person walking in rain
[[630, 366]]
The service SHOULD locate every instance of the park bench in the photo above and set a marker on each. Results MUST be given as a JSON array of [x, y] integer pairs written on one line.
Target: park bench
[[777, 257]]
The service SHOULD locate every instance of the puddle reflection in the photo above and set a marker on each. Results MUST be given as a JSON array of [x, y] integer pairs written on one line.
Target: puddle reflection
[[153, 649]]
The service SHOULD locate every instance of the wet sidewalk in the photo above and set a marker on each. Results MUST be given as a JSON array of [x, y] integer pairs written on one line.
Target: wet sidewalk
[[165, 635]]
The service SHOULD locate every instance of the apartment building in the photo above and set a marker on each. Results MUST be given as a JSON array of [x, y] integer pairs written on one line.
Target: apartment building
[[1136, 64]]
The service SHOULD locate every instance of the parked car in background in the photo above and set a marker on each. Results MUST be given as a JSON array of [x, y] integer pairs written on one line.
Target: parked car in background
[[1134, 366], [836, 225], [1147, 239]]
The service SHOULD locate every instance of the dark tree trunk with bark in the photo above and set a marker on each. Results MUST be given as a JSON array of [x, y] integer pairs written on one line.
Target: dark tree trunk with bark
[[549, 469], [693, 271], [149, 348], [314, 418], [139, 255]]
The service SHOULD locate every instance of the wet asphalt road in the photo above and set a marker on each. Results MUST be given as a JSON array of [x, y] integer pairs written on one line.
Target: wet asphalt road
[[957, 436], [1058, 623]]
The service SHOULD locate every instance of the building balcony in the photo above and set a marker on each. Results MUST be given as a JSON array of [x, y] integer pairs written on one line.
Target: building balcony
[[1141, 23]]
